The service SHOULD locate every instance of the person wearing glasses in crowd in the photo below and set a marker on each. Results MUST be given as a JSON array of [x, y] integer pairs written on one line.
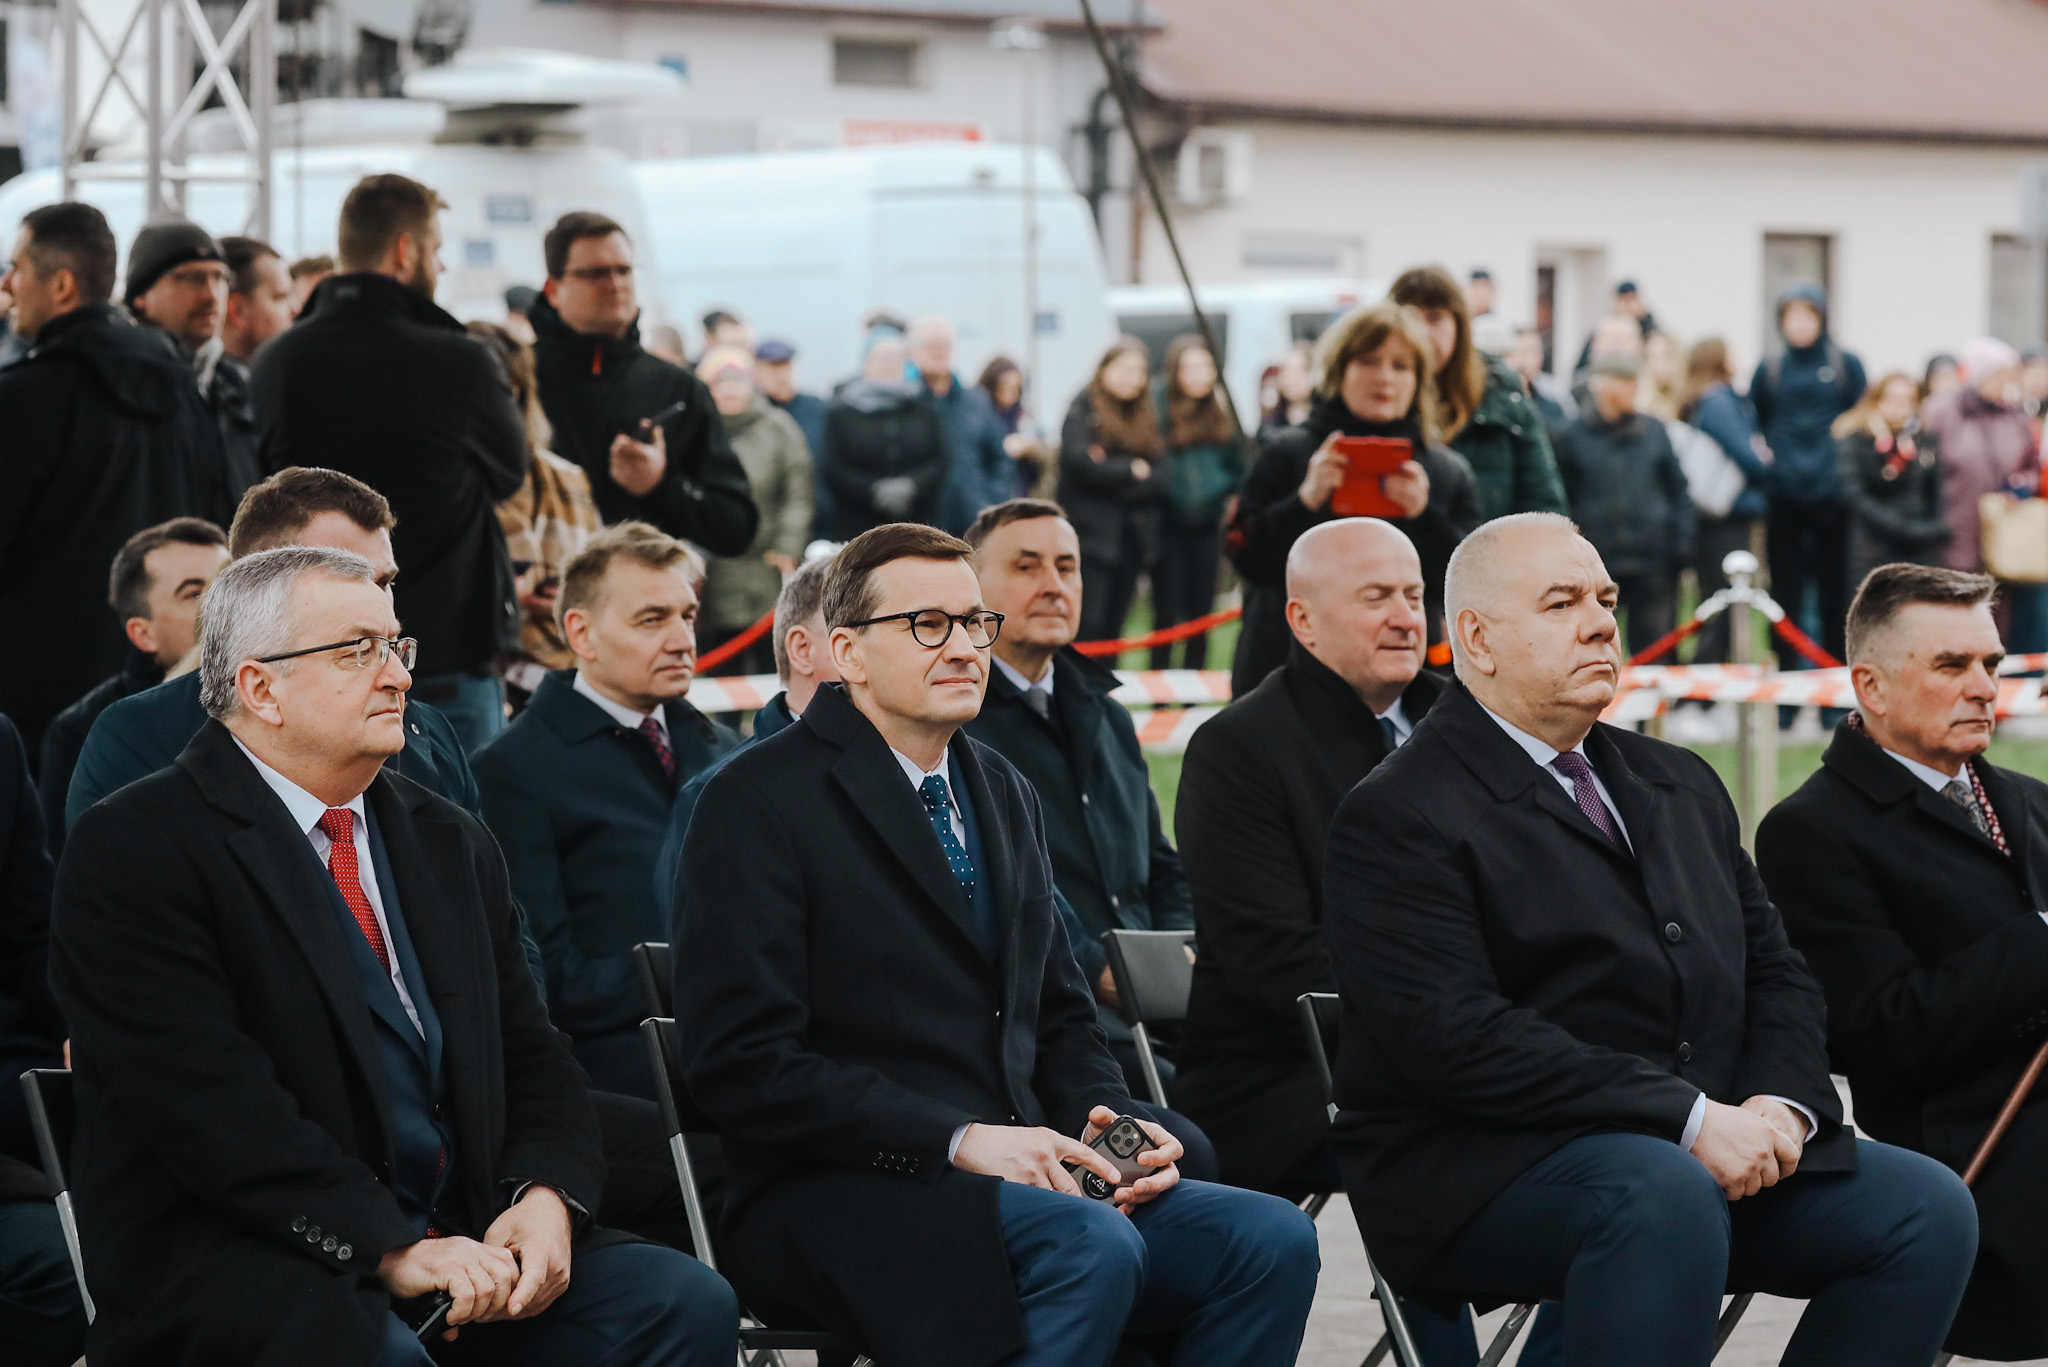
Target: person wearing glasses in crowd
[[644, 429], [898, 1050], [423, 1131]]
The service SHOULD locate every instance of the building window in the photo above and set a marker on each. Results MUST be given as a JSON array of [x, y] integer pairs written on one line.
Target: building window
[[2019, 291], [875, 61], [4, 57], [1790, 259], [377, 72]]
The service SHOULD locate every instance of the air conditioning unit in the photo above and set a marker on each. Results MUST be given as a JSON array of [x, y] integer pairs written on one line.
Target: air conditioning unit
[[1215, 167]]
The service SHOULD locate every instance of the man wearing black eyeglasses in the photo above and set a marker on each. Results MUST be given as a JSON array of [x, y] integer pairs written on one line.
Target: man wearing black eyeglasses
[[306, 1049], [882, 1016], [644, 429]]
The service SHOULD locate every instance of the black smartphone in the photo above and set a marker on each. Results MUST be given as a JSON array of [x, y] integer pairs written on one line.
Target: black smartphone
[[645, 429], [1121, 1144]]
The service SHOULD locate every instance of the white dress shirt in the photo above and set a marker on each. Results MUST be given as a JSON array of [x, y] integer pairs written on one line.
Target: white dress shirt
[[306, 812], [618, 711], [917, 774], [1016, 676], [1544, 753], [1404, 728]]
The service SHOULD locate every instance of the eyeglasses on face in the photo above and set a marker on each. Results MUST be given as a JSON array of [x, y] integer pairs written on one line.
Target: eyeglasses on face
[[365, 652], [931, 628]]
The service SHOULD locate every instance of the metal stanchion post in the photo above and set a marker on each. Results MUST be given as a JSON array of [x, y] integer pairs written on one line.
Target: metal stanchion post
[[1756, 723]]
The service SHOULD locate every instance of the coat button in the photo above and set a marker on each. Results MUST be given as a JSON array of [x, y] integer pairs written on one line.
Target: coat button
[[1084, 800], [1113, 903], [344, 1253], [1684, 1052], [999, 1013], [299, 1225], [1673, 932], [312, 1234], [329, 1244]]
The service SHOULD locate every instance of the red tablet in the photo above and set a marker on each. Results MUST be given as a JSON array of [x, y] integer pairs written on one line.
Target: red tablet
[[1369, 460]]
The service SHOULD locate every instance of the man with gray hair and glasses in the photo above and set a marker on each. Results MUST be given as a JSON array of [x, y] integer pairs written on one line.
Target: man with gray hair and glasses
[[308, 1054], [1581, 1062]]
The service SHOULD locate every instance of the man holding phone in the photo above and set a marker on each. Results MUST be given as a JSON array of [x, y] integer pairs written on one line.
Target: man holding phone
[[898, 1049], [645, 430]]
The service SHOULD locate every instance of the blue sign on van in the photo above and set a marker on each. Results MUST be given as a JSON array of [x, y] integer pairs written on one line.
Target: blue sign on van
[[479, 251], [508, 208], [1048, 323]]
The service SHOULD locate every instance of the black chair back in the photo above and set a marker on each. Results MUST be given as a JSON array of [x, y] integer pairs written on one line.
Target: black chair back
[[1154, 970], [657, 985]]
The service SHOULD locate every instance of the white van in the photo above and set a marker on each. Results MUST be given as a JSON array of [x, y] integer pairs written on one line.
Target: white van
[[805, 245], [500, 203], [1255, 322]]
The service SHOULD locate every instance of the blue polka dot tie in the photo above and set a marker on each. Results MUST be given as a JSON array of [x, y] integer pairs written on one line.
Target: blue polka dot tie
[[938, 806]]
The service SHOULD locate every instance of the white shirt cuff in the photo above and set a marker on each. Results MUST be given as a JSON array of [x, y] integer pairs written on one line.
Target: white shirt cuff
[[953, 1146], [1812, 1120], [1693, 1121], [1699, 1118]]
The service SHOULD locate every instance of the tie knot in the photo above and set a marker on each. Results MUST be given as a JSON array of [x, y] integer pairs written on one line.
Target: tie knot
[[1572, 765], [651, 729], [934, 792], [338, 824]]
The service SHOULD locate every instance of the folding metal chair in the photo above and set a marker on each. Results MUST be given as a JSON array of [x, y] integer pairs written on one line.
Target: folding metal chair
[[1320, 1012], [53, 1118], [657, 987], [664, 1055], [1153, 970]]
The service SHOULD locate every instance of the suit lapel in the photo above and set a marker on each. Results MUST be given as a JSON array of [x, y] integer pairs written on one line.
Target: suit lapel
[[2011, 809], [280, 861], [432, 883], [1954, 817]]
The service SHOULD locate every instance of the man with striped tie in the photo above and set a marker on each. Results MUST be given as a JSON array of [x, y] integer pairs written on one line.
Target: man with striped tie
[[1911, 872], [315, 1084], [579, 788], [1580, 1059]]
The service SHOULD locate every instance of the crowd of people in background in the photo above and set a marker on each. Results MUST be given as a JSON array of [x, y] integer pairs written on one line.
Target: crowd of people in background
[[564, 509]]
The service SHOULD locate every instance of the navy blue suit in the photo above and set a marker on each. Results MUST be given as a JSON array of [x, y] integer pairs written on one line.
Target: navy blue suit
[[581, 807]]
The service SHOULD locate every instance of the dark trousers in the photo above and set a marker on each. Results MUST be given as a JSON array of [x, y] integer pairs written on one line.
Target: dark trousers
[[629, 1305], [640, 1192], [1106, 594], [1230, 1272], [1809, 552], [42, 1320], [1639, 1243], [1716, 540], [1649, 602], [1184, 588]]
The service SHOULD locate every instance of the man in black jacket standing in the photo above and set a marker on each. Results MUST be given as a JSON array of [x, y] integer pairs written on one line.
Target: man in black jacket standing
[[1581, 1061], [104, 433], [377, 382], [644, 430], [307, 1052], [1048, 711], [892, 1037], [1910, 872]]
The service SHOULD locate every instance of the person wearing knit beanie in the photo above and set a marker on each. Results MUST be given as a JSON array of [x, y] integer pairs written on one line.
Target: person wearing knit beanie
[[165, 286]]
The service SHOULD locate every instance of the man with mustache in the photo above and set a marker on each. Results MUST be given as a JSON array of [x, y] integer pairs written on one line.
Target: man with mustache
[[1910, 873], [1580, 1060]]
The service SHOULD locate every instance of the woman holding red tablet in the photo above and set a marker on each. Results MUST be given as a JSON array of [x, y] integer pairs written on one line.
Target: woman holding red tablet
[[1373, 379]]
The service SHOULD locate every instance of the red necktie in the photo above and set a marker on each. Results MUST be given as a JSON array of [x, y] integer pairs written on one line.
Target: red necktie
[[339, 823], [651, 731]]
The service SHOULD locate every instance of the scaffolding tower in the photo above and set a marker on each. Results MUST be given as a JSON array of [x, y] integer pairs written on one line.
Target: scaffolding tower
[[169, 48]]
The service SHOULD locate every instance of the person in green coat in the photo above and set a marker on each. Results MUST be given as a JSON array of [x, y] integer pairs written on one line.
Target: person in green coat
[[1487, 418], [1205, 466]]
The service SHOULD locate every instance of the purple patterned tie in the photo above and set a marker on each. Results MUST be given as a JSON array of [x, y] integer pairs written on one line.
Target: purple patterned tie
[[1574, 767]]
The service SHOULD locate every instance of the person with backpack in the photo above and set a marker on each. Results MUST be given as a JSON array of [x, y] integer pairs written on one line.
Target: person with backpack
[[1798, 394]]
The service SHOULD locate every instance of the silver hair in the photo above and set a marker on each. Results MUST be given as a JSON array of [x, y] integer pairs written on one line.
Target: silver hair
[[248, 614], [1471, 574]]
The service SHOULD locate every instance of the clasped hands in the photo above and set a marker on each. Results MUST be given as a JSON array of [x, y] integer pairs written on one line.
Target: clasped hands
[[1749, 1147], [518, 1270], [1033, 1156]]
